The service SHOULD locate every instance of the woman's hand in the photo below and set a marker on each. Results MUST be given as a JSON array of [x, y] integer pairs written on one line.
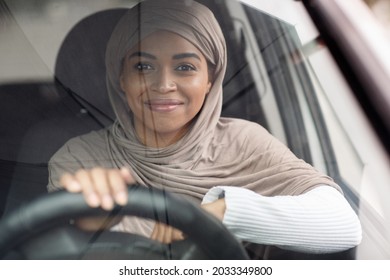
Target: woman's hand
[[167, 234], [216, 208], [100, 187]]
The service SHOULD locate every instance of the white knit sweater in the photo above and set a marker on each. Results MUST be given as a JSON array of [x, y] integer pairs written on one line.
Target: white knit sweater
[[319, 221]]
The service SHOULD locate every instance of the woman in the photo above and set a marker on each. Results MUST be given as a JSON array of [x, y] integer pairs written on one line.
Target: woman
[[165, 62]]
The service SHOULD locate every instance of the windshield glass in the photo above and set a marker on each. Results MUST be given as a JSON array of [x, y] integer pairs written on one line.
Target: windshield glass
[[280, 74]]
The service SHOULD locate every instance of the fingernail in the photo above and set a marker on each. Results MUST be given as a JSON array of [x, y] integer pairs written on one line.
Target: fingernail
[[74, 186], [121, 198], [93, 200], [107, 202]]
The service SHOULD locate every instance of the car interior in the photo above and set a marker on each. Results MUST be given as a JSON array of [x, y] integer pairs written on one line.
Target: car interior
[[76, 102]]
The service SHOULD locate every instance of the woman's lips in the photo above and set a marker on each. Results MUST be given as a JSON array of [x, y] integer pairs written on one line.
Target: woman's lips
[[163, 105]]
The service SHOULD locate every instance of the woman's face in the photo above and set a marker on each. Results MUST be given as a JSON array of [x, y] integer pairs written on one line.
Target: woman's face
[[166, 80]]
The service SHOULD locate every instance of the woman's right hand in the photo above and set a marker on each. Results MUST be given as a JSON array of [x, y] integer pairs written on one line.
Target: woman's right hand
[[101, 187]]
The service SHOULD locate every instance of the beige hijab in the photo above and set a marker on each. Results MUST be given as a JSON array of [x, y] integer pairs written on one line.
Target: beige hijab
[[215, 151]]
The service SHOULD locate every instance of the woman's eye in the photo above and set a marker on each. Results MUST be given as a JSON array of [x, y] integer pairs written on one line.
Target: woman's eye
[[143, 67], [186, 67]]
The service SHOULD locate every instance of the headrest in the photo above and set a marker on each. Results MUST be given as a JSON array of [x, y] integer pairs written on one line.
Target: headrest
[[80, 68]]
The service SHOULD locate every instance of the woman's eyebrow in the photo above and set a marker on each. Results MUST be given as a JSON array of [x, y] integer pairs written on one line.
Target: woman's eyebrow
[[186, 55], [176, 56], [142, 54]]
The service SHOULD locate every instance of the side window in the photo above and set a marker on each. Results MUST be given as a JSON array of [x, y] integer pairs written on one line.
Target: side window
[[295, 67], [273, 46], [322, 121]]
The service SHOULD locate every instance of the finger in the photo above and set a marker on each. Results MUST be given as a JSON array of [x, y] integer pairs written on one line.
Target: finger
[[177, 235], [118, 186], [83, 178], [153, 236], [167, 235], [70, 183], [103, 189], [172, 234], [158, 232], [126, 174]]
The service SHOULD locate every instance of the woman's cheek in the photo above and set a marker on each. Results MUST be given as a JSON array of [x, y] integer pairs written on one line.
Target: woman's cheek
[[134, 86]]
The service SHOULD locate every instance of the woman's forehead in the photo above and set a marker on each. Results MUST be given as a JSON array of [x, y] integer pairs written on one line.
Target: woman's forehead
[[165, 42]]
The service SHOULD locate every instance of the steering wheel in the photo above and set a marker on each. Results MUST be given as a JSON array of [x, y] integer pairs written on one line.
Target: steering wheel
[[41, 230]]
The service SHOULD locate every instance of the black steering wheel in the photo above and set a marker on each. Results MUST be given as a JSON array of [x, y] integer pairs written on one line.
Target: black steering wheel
[[41, 230]]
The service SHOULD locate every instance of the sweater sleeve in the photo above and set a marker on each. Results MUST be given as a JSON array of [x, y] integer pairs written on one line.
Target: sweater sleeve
[[319, 221]]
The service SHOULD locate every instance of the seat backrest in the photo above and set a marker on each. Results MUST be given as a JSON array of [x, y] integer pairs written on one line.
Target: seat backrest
[[80, 67], [50, 114]]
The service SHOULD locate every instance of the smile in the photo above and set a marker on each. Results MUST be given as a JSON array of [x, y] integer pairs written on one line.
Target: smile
[[163, 105]]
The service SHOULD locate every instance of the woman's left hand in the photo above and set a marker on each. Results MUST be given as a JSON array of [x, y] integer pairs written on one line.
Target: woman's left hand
[[167, 234]]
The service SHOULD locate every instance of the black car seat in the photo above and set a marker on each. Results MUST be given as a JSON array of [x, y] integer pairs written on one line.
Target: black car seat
[[48, 114]]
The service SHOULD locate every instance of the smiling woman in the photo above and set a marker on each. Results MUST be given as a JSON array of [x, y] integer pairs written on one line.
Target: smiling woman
[[169, 134]]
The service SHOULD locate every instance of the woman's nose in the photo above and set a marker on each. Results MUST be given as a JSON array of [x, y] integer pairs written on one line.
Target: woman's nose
[[163, 82]]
